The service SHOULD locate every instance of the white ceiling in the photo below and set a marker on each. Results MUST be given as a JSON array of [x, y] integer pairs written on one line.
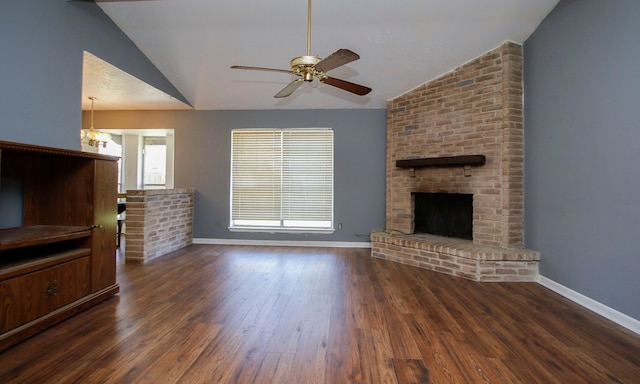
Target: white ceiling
[[116, 89], [402, 44]]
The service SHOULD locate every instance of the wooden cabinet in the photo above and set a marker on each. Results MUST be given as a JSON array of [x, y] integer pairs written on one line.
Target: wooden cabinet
[[61, 258]]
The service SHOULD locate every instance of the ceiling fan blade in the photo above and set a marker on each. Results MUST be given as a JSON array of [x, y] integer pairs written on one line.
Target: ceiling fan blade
[[336, 59], [288, 90], [360, 90], [261, 69]]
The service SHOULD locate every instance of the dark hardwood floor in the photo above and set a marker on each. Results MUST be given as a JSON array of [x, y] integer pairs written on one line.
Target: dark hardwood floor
[[233, 314]]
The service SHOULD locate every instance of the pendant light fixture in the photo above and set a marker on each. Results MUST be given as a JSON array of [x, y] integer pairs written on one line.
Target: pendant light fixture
[[92, 136]]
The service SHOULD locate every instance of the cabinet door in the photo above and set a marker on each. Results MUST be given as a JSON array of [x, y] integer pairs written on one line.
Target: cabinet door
[[69, 282], [23, 299], [105, 216]]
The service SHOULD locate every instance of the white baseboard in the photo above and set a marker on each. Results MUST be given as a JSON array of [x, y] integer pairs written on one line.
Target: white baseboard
[[617, 317], [285, 243]]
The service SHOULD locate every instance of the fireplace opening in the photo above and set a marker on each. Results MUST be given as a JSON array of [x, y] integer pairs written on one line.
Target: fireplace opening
[[443, 214]]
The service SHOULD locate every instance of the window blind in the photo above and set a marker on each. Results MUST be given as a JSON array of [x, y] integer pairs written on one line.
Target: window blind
[[282, 178]]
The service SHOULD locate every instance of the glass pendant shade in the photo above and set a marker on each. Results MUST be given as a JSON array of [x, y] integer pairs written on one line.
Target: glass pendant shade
[[92, 136]]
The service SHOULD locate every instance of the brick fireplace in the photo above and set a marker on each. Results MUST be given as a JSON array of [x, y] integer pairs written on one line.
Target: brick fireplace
[[474, 110]]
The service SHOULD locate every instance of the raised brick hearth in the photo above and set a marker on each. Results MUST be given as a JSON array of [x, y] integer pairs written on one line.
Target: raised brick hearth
[[456, 257], [474, 110]]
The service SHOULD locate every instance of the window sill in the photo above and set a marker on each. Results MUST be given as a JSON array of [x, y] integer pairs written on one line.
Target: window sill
[[282, 230]]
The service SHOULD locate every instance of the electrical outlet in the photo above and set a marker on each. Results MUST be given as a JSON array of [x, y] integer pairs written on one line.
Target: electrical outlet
[[339, 225]]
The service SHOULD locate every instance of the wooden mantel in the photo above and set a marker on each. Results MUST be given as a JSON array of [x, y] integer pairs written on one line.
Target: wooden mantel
[[447, 161]]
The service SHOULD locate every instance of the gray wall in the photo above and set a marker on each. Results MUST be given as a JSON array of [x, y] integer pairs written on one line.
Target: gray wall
[[41, 45], [41, 48], [203, 152], [582, 149]]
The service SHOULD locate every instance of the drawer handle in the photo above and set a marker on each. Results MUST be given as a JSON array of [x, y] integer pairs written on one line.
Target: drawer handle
[[47, 290]]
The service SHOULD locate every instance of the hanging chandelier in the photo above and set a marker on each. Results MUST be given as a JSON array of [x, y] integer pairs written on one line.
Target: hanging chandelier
[[92, 136]]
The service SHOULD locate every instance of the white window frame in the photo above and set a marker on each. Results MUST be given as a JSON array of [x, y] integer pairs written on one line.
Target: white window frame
[[277, 208], [153, 140]]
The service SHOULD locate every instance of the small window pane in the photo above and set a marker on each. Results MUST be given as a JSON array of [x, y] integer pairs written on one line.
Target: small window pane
[[154, 163]]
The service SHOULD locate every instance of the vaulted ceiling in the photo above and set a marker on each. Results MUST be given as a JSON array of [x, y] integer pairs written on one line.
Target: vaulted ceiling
[[402, 44]]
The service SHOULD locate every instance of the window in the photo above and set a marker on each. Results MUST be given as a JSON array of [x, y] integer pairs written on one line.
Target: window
[[146, 157], [154, 160], [282, 179]]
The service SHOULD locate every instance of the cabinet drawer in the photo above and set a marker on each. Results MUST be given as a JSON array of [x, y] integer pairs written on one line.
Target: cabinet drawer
[[28, 297]]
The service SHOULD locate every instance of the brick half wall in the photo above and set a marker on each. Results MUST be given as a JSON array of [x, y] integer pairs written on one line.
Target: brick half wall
[[158, 222]]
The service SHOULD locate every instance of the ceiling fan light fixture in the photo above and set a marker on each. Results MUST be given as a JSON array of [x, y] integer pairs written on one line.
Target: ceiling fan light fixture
[[304, 66], [304, 61]]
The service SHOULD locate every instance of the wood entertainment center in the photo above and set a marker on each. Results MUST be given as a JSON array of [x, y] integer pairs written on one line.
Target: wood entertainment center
[[61, 259]]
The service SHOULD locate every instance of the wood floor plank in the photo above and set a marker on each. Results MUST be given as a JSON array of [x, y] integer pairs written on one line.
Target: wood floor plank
[[471, 362], [287, 333], [311, 351], [217, 361], [252, 314], [283, 372], [343, 358], [437, 358], [187, 348], [403, 343], [376, 356], [411, 371]]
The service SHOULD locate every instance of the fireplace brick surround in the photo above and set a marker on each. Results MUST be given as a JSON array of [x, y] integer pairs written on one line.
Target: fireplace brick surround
[[474, 110]]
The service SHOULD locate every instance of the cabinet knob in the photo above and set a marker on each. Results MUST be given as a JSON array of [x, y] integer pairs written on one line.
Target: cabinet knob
[[47, 290], [56, 288]]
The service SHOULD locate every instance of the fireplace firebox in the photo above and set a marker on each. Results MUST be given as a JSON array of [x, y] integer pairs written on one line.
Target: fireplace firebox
[[443, 214]]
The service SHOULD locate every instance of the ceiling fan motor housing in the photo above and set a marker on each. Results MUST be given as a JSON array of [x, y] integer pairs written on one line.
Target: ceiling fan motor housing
[[305, 66]]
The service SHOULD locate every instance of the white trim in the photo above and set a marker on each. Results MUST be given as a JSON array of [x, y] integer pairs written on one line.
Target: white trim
[[286, 243], [617, 317]]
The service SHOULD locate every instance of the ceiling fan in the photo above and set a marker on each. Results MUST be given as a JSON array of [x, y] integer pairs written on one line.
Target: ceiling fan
[[309, 67]]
